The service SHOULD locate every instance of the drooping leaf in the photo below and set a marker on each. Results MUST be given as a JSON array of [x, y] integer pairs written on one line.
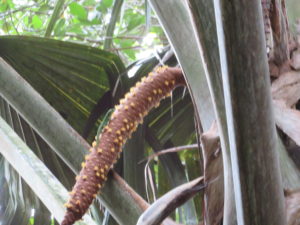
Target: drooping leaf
[[161, 208]]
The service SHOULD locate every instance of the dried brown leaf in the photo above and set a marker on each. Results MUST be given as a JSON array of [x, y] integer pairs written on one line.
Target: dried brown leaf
[[213, 168], [292, 201], [288, 120], [295, 60], [287, 88]]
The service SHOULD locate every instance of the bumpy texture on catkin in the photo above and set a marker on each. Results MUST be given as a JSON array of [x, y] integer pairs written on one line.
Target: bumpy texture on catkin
[[124, 121]]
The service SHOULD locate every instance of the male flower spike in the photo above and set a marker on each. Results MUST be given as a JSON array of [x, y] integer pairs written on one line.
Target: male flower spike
[[127, 115]]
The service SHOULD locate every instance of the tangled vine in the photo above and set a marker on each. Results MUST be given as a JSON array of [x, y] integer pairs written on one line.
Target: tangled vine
[[123, 122]]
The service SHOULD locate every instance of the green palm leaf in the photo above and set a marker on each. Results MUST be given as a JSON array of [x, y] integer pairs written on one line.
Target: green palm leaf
[[34, 172], [71, 77]]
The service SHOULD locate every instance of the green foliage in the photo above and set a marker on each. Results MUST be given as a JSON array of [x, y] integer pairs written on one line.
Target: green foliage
[[105, 5], [86, 21], [133, 19], [78, 11], [36, 22], [60, 27]]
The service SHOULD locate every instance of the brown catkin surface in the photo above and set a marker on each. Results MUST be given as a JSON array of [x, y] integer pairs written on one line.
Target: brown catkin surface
[[127, 115]]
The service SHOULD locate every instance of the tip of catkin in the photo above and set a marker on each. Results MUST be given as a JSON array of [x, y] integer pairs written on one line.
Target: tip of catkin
[[70, 218]]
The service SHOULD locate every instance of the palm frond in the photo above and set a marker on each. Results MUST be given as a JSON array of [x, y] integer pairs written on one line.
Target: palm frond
[[33, 171]]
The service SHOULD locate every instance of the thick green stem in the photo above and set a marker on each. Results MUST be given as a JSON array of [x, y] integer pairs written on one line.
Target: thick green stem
[[256, 175]]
